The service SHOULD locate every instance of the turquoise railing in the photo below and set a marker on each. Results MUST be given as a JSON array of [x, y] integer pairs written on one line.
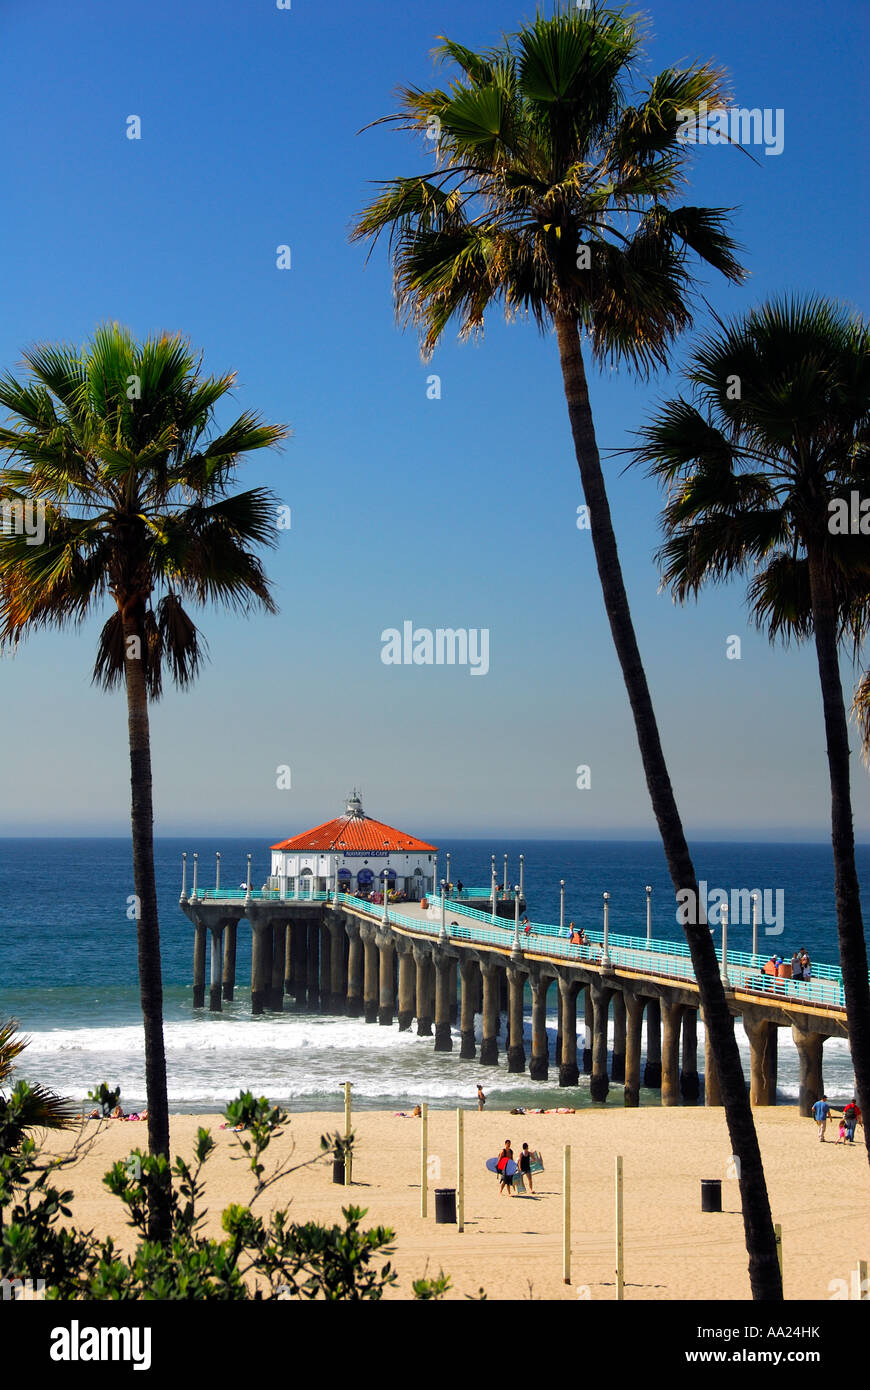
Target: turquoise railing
[[668, 959]]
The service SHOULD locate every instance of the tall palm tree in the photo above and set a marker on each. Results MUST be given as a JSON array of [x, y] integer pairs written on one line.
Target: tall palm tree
[[761, 466], [555, 195], [113, 448]]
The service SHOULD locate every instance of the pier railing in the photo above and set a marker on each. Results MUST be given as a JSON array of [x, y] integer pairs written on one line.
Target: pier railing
[[670, 960]]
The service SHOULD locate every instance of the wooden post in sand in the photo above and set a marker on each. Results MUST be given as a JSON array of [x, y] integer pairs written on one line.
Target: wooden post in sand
[[460, 1171], [566, 1215], [424, 1159], [348, 1159], [620, 1285]]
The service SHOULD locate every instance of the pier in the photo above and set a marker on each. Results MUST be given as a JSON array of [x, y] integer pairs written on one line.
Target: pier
[[439, 963]]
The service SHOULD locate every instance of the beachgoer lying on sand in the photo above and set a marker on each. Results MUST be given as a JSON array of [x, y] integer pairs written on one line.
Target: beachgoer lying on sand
[[234, 1129], [117, 1114], [418, 1113], [95, 1115]]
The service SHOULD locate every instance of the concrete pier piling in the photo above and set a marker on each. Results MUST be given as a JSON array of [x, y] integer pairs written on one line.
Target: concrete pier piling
[[569, 1072], [690, 1085], [355, 973], [469, 976], [371, 978], [599, 1083], [407, 986], [516, 1052], [652, 1072], [229, 970], [443, 1039], [540, 1063], [633, 1039], [672, 1022], [492, 973]]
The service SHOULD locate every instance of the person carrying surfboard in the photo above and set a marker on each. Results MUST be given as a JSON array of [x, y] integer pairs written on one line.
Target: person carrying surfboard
[[506, 1168]]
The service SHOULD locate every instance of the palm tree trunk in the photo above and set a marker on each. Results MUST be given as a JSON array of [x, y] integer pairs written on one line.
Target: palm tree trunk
[[148, 929], [764, 1275], [850, 925]]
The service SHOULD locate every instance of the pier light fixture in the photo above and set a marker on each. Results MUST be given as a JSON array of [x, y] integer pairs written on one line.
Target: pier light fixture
[[561, 906], [448, 868], [505, 879], [516, 949], [195, 877], [522, 862], [217, 872], [605, 954], [248, 887], [648, 915], [723, 917], [183, 898], [444, 936], [755, 924], [494, 891]]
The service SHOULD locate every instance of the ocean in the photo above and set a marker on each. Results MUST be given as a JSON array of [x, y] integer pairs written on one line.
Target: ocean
[[68, 972]]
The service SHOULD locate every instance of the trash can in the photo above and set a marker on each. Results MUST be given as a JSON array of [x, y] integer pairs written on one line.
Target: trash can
[[711, 1194], [338, 1171], [445, 1206]]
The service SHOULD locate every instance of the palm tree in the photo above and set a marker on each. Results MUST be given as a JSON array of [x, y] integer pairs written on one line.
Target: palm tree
[[555, 195], [113, 447], [760, 465], [29, 1106]]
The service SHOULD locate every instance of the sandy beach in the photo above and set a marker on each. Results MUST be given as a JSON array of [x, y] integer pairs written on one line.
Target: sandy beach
[[512, 1246]]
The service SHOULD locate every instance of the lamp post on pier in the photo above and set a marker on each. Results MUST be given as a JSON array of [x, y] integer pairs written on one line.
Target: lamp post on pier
[[505, 879], [195, 876], [754, 924], [516, 950], [561, 907], [183, 898], [494, 890], [723, 912], [217, 873], [605, 955], [522, 861], [448, 880], [248, 881], [443, 909], [648, 915]]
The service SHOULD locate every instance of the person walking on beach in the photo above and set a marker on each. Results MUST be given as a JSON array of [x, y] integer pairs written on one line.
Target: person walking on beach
[[821, 1114], [526, 1166], [505, 1157], [481, 1098], [850, 1119]]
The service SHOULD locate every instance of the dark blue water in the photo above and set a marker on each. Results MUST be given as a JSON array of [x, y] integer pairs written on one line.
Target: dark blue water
[[68, 965]]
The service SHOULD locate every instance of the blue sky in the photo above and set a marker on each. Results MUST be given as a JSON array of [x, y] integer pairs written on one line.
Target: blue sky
[[458, 512]]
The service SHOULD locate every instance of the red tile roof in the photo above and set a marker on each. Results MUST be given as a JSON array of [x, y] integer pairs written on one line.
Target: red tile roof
[[356, 833]]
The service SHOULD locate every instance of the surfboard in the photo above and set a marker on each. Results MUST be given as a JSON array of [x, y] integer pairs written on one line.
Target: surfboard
[[509, 1169]]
